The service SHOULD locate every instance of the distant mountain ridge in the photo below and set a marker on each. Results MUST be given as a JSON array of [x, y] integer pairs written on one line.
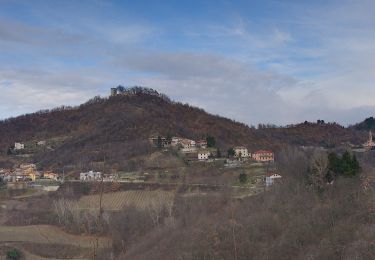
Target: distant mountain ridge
[[115, 129]]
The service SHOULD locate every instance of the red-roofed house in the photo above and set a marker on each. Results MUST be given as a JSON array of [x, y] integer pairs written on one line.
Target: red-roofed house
[[263, 156]]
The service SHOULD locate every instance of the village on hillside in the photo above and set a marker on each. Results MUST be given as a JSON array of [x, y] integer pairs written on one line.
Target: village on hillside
[[202, 151]]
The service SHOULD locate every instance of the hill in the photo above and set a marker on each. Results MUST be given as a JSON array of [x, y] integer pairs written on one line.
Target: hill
[[367, 124], [114, 131]]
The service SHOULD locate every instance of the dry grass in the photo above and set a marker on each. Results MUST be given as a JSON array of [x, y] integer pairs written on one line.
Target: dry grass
[[118, 200], [47, 234]]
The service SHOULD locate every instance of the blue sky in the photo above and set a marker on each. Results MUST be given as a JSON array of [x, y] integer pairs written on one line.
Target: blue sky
[[254, 61]]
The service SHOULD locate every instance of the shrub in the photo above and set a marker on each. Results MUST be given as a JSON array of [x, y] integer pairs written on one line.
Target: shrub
[[14, 254], [242, 178]]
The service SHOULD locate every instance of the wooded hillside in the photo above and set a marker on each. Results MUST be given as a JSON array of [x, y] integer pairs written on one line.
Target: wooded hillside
[[116, 129]]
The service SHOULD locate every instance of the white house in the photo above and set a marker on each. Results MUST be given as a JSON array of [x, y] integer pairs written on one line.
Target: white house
[[203, 155], [271, 178], [19, 146], [241, 151], [41, 143], [90, 176]]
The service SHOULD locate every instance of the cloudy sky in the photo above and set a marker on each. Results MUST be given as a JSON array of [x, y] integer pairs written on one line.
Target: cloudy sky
[[269, 61]]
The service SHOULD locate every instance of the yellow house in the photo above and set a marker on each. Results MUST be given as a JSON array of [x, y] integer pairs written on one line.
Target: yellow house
[[51, 175], [33, 175]]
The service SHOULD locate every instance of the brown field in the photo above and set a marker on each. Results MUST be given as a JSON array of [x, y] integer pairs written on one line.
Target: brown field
[[49, 242], [118, 200], [47, 234]]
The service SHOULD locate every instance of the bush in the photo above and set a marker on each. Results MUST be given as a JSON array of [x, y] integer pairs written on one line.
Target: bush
[[14, 254], [242, 178]]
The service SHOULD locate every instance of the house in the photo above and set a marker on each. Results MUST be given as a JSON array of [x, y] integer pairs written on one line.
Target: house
[[51, 176], [159, 141], [203, 155], [27, 166], [90, 176], [33, 175], [201, 144], [271, 178], [41, 143], [241, 152], [188, 145], [27, 171], [263, 156], [19, 146], [175, 141]]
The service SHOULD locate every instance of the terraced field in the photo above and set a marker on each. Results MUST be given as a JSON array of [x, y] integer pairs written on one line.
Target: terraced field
[[117, 200]]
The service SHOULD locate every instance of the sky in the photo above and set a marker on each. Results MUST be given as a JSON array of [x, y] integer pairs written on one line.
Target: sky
[[268, 61]]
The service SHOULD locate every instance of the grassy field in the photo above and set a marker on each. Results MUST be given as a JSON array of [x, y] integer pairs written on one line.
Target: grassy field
[[49, 242], [47, 234], [118, 200]]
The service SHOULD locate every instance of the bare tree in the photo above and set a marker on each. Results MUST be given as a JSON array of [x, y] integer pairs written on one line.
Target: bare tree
[[319, 168]]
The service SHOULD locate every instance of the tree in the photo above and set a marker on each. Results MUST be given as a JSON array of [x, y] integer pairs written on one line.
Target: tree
[[218, 153], [211, 142], [159, 142], [347, 165], [319, 169], [242, 178], [14, 254], [231, 152]]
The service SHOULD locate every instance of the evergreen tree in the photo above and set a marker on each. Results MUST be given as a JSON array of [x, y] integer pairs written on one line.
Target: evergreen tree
[[231, 152], [211, 142]]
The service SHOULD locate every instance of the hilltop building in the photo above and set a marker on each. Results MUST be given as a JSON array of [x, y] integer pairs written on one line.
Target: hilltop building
[[136, 90]]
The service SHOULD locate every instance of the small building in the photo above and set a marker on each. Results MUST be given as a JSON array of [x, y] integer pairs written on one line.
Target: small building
[[90, 176], [263, 156], [19, 146], [203, 155], [159, 141], [41, 143], [27, 166], [175, 141], [33, 175], [188, 145], [271, 178], [201, 144], [113, 92], [241, 152], [51, 176]]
